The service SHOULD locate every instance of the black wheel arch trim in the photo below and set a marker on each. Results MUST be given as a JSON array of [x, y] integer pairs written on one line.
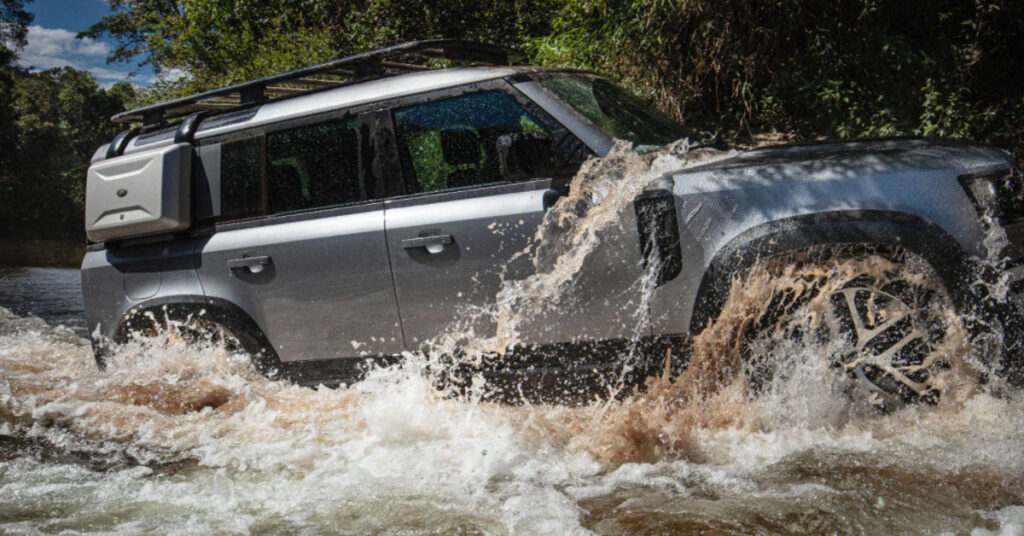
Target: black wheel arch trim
[[835, 228], [221, 311]]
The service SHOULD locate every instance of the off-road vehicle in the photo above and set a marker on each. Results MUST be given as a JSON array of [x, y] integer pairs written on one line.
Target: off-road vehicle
[[354, 209]]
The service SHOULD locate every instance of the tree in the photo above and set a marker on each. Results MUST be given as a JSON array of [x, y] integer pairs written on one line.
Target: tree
[[62, 117], [216, 42], [14, 21], [814, 69], [817, 68]]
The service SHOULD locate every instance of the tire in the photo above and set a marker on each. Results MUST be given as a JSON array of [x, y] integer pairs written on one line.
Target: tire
[[199, 324], [192, 328], [882, 317]]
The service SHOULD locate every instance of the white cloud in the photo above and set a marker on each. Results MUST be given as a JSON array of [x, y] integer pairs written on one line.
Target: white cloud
[[49, 48], [60, 42], [171, 75]]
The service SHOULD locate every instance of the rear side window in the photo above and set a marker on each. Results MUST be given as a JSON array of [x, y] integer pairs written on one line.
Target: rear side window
[[313, 166], [451, 143], [241, 169]]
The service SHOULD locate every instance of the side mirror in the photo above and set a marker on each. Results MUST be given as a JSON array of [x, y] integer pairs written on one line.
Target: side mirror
[[526, 155]]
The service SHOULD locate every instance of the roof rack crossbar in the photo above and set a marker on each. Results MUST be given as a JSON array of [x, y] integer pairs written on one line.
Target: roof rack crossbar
[[358, 67]]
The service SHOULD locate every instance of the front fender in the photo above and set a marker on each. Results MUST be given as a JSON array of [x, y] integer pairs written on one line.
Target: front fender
[[866, 227]]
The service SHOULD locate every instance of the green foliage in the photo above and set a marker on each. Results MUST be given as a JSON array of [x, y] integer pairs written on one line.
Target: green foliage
[[816, 69], [62, 117], [50, 124], [14, 21], [813, 69], [218, 42]]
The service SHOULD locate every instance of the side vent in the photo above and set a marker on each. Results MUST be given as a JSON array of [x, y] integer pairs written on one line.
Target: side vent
[[659, 233], [139, 194]]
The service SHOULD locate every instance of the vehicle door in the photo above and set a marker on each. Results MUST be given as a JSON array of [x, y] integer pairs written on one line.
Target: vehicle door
[[298, 241], [459, 227]]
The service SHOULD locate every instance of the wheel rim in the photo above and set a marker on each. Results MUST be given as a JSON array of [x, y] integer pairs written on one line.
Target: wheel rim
[[894, 354]]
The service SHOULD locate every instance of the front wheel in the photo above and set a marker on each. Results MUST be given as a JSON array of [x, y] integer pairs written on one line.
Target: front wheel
[[882, 318]]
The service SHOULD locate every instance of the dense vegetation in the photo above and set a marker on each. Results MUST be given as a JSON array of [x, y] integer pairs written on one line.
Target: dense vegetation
[[51, 122], [810, 70]]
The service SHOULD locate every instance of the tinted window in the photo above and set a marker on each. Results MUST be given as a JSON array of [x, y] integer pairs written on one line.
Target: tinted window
[[613, 110], [240, 179], [451, 143], [313, 166]]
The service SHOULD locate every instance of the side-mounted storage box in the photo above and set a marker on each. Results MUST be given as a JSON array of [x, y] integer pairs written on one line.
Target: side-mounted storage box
[[139, 194]]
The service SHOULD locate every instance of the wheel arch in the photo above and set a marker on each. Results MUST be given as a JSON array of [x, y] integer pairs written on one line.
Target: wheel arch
[[834, 228], [219, 311]]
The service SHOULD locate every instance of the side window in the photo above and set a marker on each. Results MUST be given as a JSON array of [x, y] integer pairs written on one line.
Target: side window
[[306, 167], [241, 179], [451, 143], [313, 166]]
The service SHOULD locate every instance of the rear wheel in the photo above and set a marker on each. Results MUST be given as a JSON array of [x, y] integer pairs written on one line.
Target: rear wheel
[[199, 325], [192, 328]]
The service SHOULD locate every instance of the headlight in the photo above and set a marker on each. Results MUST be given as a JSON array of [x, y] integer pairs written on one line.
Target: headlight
[[999, 194]]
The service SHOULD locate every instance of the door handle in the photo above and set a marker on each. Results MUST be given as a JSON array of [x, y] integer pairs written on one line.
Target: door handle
[[433, 243], [254, 263]]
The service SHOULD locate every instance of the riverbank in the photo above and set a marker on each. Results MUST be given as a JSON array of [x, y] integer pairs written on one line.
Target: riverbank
[[52, 253]]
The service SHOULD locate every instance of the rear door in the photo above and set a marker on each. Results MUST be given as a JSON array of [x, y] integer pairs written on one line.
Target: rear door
[[299, 238], [458, 229]]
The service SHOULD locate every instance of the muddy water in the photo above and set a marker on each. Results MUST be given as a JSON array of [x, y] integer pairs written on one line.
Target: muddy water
[[183, 439], [53, 294]]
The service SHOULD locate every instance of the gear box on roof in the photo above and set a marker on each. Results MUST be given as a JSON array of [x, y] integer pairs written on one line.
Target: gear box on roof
[[139, 194]]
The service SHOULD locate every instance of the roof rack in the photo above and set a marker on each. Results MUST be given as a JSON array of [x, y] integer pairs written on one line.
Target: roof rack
[[360, 67]]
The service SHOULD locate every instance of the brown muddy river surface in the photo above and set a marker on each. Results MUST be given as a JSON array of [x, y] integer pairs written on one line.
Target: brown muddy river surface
[[180, 439], [134, 451]]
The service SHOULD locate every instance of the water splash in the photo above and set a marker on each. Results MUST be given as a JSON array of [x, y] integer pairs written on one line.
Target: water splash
[[190, 437]]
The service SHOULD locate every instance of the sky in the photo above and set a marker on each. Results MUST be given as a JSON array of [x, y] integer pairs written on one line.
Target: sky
[[52, 42]]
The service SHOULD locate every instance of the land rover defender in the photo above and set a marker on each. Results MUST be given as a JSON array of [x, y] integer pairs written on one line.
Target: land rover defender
[[353, 209]]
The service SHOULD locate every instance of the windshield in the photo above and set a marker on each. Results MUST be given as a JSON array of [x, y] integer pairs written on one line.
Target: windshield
[[613, 110]]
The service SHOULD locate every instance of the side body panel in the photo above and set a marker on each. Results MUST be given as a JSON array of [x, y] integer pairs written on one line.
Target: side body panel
[[456, 290], [116, 280], [325, 290], [445, 288]]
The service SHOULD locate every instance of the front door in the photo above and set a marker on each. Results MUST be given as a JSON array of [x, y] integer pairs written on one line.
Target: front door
[[300, 243], [460, 229]]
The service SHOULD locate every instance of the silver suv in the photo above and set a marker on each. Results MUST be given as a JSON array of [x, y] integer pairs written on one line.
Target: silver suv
[[353, 210]]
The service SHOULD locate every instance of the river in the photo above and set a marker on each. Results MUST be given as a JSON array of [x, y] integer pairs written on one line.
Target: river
[[182, 439], [52, 294]]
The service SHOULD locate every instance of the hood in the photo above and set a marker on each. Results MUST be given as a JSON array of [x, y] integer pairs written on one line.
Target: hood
[[869, 157]]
